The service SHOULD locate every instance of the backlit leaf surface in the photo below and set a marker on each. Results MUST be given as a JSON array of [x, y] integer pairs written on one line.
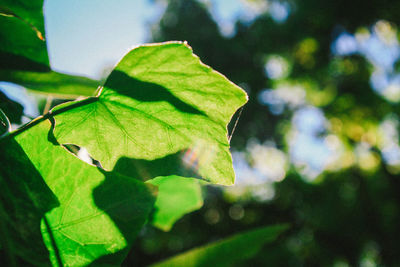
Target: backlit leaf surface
[[158, 101], [176, 197], [98, 213], [24, 200]]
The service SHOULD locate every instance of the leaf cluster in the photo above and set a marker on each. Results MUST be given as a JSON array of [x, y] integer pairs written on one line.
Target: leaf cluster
[[154, 131]]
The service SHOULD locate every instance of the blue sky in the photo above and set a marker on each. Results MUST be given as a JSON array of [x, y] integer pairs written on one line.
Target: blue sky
[[84, 37]]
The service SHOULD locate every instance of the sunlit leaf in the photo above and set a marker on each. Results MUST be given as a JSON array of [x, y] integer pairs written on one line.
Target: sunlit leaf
[[176, 197], [228, 251], [98, 213], [24, 200], [158, 101], [58, 84]]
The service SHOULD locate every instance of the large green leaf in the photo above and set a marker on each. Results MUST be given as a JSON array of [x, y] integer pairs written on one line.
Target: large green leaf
[[176, 197], [160, 100], [58, 84], [98, 214], [228, 251], [22, 35]]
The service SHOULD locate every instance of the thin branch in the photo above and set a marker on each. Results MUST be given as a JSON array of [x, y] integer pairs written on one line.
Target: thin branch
[[5, 122], [47, 107], [236, 122], [51, 113]]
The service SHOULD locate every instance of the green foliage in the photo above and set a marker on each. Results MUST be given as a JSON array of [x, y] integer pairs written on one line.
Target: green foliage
[[81, 218], [72, 203], [22, 35], [156, 131], [159, 100], [25, 198], [176, 197], [227, 252], [349, 214], [52, 83]]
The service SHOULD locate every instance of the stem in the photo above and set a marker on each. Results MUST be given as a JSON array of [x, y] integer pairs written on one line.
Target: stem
[[4, 120], [48, 115]]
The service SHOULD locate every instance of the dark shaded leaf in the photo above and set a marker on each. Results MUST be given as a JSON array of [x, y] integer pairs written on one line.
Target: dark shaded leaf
[[22, 36], [228, 251], [98, 214], [12, 109]]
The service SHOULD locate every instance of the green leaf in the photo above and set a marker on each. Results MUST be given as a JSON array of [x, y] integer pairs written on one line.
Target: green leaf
[[30, 11], [228, 251], [160, 100], [22, 35], [58, 84], [176, 197], [98, 214], [24, 200]]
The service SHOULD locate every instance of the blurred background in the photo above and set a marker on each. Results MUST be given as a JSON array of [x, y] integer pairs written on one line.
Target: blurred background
[[317, 146]]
